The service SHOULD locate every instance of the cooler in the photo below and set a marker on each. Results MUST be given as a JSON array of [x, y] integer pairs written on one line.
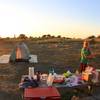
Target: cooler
[[47, 93]]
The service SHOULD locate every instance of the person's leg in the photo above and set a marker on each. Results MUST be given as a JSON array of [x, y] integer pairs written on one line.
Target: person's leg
[[82, 67]]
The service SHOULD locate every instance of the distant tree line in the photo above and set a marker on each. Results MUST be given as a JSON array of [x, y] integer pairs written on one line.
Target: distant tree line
[[48, 36]]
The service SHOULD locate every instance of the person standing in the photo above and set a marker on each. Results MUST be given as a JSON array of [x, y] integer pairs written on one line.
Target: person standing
[[85, 56]]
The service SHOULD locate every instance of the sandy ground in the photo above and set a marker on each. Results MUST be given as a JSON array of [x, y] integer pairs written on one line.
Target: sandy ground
[[61, 56]]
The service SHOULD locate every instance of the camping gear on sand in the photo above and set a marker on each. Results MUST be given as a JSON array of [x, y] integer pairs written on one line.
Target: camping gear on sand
[[51, 70], [85, 76], [90, 74], [98, 70], [58, 78], [45, 93], [4, 59], [27, 82], [67, 73], [96, 76], [20, 53], [31, 72], [50, 79]]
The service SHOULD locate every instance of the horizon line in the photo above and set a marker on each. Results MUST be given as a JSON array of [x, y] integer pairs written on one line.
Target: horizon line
[[27, 35]]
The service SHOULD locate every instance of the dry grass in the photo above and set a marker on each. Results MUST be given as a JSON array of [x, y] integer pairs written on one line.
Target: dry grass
[[59, 53]]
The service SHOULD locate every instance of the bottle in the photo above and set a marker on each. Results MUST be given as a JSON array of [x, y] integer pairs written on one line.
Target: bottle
[[51, 70], [31, 72]]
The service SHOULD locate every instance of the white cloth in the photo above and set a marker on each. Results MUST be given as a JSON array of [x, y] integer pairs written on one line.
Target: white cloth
[[33, 59], [4, 59]]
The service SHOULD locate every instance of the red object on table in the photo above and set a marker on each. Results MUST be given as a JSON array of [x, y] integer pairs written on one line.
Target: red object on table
[[45, 93], [58, 81]]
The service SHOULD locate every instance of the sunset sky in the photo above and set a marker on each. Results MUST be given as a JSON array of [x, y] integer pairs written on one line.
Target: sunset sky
[[70, 18]]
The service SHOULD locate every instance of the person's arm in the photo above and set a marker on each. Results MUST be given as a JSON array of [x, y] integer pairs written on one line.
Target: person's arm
[[90, 54]]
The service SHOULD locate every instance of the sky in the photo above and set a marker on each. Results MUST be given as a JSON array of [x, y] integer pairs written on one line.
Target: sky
[[69, 18]]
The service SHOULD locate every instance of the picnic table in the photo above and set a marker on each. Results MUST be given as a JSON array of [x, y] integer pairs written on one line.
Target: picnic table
[[43, 92]]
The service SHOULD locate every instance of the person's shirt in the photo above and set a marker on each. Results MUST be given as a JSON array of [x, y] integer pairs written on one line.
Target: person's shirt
[[84, 53]]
